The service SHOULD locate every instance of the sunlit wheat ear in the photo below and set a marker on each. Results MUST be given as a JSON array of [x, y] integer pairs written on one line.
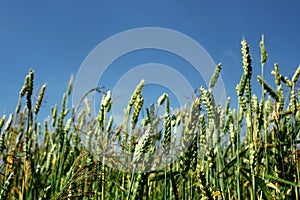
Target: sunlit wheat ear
[[27, 83], [215, 76], [2, 135], [40, 99], [263, 51], [220, 112], [227, 122], [292, 104], [81, 119], [8, 123], [240, 88], [167, 133], [268, 88], [246, 58], [29, 87], [252, 154], [227, 107], [232, 133], [202, 129], [162, 99], [24, 88], [107, 101], [87, 106], [167, 122], [269, 106], [62, 112], [254, 104], [89, 135], [248, 119], [136, 111], [242, 103], [109, 125], [136, 93], [46, 133], [18, 107], [280, 102], [142, 146], [246, 77], [49, 159], [54, 114], [296, 75], [276, 74], [207, 101], [64, 103], [248, 92], [189, 137], [105, 107], [68, 125], [2, 120], [70, 85], [279, 90], [247, 65], [2, 138], [175, 123]]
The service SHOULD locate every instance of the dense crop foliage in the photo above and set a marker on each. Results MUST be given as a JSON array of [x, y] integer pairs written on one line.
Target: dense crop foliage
[[250, 152]]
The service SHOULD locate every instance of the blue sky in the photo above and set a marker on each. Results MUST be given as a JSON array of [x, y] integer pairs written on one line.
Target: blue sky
[[54, 37]]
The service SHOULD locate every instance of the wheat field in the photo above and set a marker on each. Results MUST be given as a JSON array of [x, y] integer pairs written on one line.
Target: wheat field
[[244, 151]]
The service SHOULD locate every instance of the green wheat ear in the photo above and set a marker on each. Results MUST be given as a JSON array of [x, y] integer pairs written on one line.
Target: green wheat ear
[[54, 114], [70, 85], [136, 111], [87, 106], [162, 99], [29, 87], [245, 85], [208, 102], [136, 93], [296, 75], [167, 132], [264, 54], [189, 142], [105, 107], [142, 146], [167, 122], [227, 107], [276, 74], [40, 99], [18, 107], [8, 123], [2, 120], [215, 76]]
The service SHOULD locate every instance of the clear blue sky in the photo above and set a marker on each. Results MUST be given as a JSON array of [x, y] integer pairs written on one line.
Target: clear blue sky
[[54, 37]]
